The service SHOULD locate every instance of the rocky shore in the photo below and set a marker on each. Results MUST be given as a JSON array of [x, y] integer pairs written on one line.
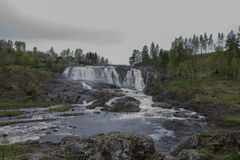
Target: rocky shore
[[213, 111], [129, 146]]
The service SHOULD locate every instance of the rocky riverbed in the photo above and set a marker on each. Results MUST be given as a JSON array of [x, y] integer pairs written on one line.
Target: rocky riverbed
[[100, 109], [129, 123]]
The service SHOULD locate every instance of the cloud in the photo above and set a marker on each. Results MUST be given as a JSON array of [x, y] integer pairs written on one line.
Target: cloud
[[15, 25]]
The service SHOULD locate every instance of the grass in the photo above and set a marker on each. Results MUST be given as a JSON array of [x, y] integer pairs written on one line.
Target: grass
[[10, 113], [233, 119], [211, 89], [182, 85], [18, 105], [60, 109], [14, 150], [23, 150], [235, 156]]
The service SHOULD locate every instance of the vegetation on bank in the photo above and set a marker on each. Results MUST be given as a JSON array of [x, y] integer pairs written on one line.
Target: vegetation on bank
[[24, 75], [13, 151], [210, 69], [24, 150], [9, 113], [198, 72], [17, 104], [232, 119], [196, 57], [59, 109]]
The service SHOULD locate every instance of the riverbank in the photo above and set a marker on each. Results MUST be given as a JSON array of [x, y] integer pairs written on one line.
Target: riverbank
[[215, 98], [166, 117], [121, 146]]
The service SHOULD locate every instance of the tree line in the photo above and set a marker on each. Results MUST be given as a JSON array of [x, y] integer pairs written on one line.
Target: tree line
[[195, 56], [15, 53]]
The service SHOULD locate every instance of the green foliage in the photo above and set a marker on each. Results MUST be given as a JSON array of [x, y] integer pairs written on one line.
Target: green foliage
[[235, 156], [16, 104], [10, 113], [186, 58], [183, 69], [60, 109], [156, 56], [232, 119], [235, 67], [173, 63]]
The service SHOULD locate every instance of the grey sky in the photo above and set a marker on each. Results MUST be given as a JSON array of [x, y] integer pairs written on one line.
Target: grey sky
[[113, 28]]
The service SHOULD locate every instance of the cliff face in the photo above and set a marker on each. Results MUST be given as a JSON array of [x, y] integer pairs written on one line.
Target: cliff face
[[153, 78]]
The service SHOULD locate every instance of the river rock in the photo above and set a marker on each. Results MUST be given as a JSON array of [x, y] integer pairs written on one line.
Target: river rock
[[112, 146], [190, 154], [125, 104], [162, 105]]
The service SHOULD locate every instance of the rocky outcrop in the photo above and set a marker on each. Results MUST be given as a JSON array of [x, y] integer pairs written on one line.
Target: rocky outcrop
[[129, 146], [112, 146], [124, 104], [69, 91], [206, 146]]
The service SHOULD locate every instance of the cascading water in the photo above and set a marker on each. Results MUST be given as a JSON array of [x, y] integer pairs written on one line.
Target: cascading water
[[134, 80], [107, 74]]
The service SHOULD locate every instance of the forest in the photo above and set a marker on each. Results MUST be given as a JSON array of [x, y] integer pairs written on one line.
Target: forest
[[16, 54], [198, 56]]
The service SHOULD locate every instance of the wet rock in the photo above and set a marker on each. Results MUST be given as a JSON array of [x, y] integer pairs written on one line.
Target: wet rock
[[72, 114], [4, 135], [125, 104], [98, 103], [112, 146], [162, 105], [96, 112], [179, 114]]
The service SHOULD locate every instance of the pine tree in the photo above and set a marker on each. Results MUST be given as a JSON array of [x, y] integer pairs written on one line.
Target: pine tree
[[210, 43], [232, 44], [145, 55], [201, 43], [205, 42], [152, 51], [195, 43], [34, 49], [78, 54]]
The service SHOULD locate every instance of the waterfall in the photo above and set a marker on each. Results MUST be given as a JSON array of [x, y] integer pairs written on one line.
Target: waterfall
[[134, 79], [106, 74]]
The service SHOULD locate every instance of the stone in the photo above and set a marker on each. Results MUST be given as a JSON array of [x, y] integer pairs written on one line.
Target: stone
[[164, 105], [125, 104], [112, 146]]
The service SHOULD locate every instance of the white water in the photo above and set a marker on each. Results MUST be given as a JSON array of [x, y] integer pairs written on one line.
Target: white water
[[97, 123], [106, 74], [147, 111], [134, 79], [86, 86]]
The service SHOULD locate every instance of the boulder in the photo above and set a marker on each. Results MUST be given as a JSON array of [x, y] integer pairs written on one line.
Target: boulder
[[191, 154], [111, 146], [124, 104], [162, 105], [203, 146]]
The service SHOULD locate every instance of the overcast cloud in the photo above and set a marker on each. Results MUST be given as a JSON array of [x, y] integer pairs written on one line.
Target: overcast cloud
[[113, 28], [21, 26]]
